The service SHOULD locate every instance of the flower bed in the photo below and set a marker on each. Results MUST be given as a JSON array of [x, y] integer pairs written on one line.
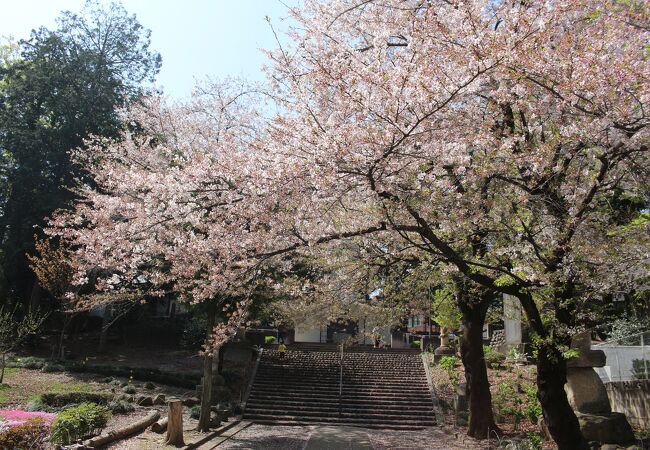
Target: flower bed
[[11, 417]]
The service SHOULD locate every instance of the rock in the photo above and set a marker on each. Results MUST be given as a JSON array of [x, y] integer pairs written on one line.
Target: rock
[[190, 401], [444, 350], [144, 400], [160, 399], [590, 358], [610, 428], [586, 392], [609, 447], [214, 421]]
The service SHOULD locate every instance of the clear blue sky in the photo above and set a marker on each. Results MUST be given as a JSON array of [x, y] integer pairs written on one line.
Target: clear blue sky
[[196, 38]]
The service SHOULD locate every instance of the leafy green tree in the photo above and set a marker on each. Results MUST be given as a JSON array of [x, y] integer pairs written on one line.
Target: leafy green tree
[[67, 84]]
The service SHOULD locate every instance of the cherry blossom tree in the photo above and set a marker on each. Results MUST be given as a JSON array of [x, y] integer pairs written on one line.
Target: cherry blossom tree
[[177, 204], [489, 134]]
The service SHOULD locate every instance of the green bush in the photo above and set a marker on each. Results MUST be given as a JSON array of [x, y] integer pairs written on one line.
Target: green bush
[[120, 406], [37, 404], [129, 389], [51, 367], [29, 362], [269, 339], [195, 412], [416, 344], [58, 400], [535, 440], [78, 422], [448, 363], [32, 434], [149, 385], [639, 368], [532, 407], [492, 358]]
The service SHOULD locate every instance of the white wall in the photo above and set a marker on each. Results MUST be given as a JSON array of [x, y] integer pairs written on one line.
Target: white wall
[[307, 334], [619, 361]]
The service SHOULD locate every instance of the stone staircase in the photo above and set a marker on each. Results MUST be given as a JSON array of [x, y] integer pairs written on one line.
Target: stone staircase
[[380, 389]]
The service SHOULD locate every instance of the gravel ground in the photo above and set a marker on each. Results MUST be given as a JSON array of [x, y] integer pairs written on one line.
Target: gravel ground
[[261, 437]]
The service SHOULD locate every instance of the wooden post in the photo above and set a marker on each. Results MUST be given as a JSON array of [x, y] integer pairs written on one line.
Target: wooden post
[[175, 423]]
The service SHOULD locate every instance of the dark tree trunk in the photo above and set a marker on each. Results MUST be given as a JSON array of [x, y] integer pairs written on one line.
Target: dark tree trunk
[[481, 419], [220, 362], [206, 388], [2, 370], [559, 417]]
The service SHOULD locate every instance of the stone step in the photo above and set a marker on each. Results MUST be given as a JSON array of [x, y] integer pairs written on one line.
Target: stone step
[[420, 422], [296, 423], [352, 391], [346, 403], [357, 415], [350, 409]]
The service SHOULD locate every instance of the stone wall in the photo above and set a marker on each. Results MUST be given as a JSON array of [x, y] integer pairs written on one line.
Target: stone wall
[[633, 399]]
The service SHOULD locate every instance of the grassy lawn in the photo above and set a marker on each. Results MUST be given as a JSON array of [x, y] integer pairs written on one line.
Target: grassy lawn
[[22, 385]]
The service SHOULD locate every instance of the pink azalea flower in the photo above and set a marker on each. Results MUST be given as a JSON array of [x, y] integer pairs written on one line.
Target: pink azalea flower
[[12, 417]]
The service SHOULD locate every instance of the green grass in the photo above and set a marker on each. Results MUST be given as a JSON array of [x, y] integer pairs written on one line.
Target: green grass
[[3, 393], [23, 385]]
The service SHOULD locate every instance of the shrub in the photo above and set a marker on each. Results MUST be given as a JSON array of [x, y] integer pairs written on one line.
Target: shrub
[[31, 434], [149, 385], [269, 339], [639, 368], [535, 440], [416, 344], [30, 362], [56, 400], [51, 367], [79, 422], [448, 363], [129, 389], [195, 412], [492, 357], [532, 409], [37, 404], [120, 406]]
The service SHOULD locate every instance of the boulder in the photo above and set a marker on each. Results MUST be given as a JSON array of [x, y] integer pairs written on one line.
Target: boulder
[[586, 392], [144, 400], [590, 358], [610, 428], [160, 399]]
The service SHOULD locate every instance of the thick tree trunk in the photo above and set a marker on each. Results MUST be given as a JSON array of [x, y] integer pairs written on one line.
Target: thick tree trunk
[[206, 388], [559, 417], [175, 423], [481, 419]]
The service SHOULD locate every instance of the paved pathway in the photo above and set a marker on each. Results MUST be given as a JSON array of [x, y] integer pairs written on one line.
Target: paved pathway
[[339, 438]]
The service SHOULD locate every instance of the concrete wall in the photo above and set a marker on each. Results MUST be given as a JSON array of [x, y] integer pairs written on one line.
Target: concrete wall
[[619, 361], [308, 335], [631, 398]]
